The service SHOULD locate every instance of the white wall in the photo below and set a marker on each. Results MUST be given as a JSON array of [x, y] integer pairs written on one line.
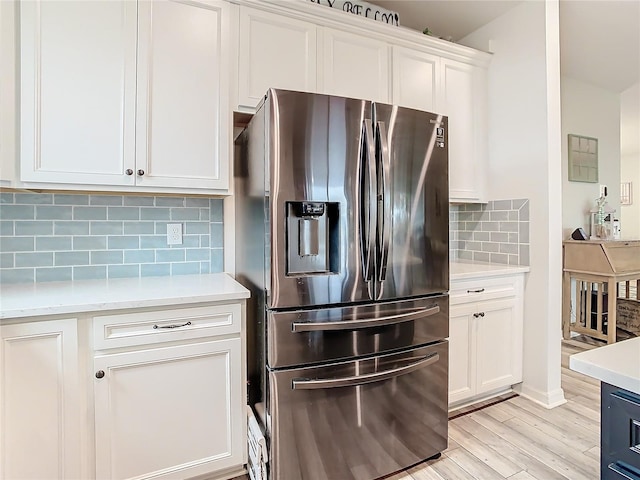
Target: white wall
[[630, 159], [525, 162], [590, 111]]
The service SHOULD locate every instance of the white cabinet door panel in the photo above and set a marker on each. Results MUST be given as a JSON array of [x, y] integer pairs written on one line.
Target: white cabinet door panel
[[496, 332], [461, 353], [170, 412], [462, 100], [275, 52], [355, 66], [40, 415], [415, 79], [182, 114], [78, 91]]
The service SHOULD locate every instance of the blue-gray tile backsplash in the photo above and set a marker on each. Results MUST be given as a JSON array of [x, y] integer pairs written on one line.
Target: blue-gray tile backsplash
[[53, 236], [496, 232]]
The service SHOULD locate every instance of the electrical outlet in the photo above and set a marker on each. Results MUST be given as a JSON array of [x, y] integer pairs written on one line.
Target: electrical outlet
[[174, 234], [603, 190]]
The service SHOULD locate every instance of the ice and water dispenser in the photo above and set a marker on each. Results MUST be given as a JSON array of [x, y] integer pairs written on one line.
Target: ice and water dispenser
[[312, 238]]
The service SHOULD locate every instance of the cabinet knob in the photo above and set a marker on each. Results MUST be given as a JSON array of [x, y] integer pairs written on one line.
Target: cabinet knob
[[100, 374], [140, 172], [476, 315], [128, 171]]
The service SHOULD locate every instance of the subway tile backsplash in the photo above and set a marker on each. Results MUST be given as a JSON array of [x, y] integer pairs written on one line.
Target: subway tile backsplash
[[496, 232], [53, 237]]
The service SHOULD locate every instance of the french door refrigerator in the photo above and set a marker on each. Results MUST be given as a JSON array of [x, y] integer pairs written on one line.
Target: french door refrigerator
[[342, 227]]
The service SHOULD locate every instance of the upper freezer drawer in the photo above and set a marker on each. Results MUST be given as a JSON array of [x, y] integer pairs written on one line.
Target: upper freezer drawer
[[157, 326], [325, 334]]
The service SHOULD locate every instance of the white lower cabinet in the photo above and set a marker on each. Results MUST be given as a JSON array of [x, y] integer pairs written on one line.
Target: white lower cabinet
[[485, 339], [158, 391], [40, 418], [169, 412]]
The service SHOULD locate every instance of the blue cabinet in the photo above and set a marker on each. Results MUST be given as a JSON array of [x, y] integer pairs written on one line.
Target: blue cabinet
[[619, 434]]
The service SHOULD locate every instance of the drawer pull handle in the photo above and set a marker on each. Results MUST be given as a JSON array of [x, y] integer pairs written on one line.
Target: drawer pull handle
[[172, 326], [480, 290], [480, 314]]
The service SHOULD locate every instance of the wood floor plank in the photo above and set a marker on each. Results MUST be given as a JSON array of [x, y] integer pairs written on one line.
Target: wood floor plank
[[565, 431], [564, 413], [517, 454], [523, 475], [535, 446], [594, 453], [450, 470], [424, 472], [581, 462], [474, 467], [483, 452]]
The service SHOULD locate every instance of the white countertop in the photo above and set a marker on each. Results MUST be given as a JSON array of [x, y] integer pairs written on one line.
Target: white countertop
[[462, 269], [52, 298], [617, 364]]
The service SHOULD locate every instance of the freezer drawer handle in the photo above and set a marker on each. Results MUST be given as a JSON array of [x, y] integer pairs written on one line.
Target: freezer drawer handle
[[305, 384], [366, 323]]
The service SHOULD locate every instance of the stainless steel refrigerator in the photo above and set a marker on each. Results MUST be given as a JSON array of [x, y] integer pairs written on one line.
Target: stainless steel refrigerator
[[342, 218]]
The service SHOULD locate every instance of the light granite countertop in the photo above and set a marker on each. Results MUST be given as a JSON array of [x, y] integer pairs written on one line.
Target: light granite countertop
[[53, 298], [617, 364], [459, 270]]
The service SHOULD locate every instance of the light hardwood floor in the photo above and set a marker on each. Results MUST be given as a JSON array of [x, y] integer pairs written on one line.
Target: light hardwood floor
[[520, 440]]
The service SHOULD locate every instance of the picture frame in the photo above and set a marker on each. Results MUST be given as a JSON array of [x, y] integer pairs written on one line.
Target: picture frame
[[583, 158]]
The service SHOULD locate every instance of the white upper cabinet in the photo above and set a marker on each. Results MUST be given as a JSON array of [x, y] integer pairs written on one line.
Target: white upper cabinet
[[355, 66], [182, 111], [416, 79], [121, 93], [274, 52], [78, 85], [463, 99]]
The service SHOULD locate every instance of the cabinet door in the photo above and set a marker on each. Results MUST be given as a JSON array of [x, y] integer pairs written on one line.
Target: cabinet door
[[78, 85], [499, 345], [462, 100], [275, 52], [461, 353], [415, 79], [171, 412], [40, 414], [355, 66], [183, 116]]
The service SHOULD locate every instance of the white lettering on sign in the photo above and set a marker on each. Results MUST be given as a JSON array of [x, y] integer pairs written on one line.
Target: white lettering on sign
[[363, 9]]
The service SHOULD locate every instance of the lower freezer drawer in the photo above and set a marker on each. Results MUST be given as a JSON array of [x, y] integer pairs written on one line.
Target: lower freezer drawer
[[361, 419]]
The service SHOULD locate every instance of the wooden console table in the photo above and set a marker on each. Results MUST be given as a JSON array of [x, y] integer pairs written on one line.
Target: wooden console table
[[597, 268]]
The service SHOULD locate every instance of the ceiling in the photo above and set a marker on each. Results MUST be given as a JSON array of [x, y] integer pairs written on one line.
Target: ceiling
[[599, 39]]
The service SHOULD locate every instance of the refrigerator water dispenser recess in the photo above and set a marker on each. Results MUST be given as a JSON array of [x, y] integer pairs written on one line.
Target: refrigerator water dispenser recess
[[311, 232]]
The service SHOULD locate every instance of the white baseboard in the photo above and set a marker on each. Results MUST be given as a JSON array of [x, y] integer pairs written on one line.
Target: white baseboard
[[549, 400]]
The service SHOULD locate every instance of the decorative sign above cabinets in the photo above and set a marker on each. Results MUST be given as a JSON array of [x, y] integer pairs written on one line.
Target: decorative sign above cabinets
[[363, 9]]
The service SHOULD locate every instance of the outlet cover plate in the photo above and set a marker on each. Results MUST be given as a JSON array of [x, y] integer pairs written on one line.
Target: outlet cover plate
[[174, 234]]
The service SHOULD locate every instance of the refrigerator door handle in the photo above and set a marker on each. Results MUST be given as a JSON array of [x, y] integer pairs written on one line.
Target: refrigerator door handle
[[384, 197], [369, 205], [352, 381], [365, 323]]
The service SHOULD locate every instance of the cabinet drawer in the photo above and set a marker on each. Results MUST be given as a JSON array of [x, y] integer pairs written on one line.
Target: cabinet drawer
[[140, 328], [465, 291]]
